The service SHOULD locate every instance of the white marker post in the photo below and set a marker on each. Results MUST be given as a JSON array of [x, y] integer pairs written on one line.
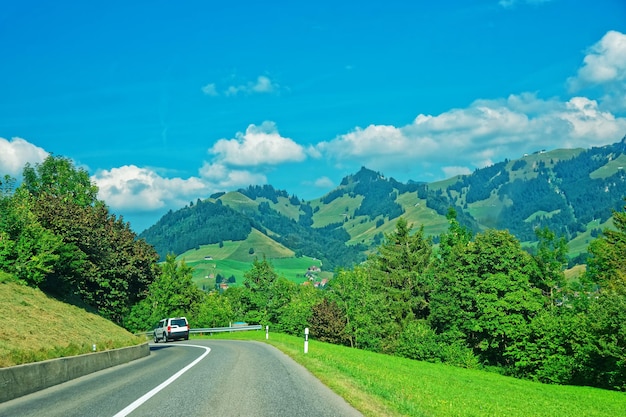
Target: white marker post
[[306, 340], [267, 332]]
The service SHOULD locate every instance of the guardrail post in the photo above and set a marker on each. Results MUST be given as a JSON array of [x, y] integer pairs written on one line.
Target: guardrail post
[[267, 332], [306, 340]]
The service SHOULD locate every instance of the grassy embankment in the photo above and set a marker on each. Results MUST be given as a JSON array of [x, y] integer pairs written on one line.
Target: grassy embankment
[[37, 327], [381, 385]]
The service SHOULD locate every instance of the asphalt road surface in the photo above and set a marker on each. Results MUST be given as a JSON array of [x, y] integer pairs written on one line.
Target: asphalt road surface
[[191, 378]]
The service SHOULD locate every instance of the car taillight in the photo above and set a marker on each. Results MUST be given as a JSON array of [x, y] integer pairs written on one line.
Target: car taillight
[[169, 328]]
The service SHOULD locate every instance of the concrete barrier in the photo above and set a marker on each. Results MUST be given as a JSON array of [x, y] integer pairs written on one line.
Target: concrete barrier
[[16, 381]]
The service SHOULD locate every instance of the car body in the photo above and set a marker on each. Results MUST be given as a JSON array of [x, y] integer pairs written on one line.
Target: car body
[[172, 328]]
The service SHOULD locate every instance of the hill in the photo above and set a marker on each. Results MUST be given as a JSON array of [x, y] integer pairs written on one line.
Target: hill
[[573, 192], [41, 327]]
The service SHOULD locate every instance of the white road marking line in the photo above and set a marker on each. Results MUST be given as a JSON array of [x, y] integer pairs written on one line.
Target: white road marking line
[[171, 379]]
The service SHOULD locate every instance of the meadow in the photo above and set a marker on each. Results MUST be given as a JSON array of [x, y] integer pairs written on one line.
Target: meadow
[[382, 385]]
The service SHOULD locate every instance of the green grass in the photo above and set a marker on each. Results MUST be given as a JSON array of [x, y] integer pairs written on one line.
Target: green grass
[[38, 327], [381, 385], [235, 259], [610, 168], [293, 269], [335, 211]]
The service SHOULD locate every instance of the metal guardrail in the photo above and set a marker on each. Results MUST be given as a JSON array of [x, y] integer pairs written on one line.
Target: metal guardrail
[[226, 329], [215, 329]]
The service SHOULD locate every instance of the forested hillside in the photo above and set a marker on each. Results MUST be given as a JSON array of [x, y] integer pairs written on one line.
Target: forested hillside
[[571, 192]]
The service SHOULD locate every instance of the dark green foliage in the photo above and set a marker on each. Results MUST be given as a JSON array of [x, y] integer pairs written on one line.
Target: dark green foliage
[[529, 197], [327, 244], [400, 266], [172, 294], [483, 294], [519, 164], [333, 195], [482, 182], [328, 323], [265, 191], [576, 184], [204, 223], [55, 234], [379, 195]]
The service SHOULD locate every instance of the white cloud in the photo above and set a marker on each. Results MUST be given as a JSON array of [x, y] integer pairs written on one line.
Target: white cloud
[[259, 145], [227, 178], [210, 90], [605, 68], [140, 189], [15, 153], [507, 4], [605, 61], [485, 132], [324, 182], [262, 85]]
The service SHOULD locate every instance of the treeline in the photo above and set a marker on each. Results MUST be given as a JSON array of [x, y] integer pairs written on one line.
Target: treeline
[[56, 235], [206, 223], [379, 194], [327, 244], [197, 224], [564, 197], [577, 184], [478, 301]]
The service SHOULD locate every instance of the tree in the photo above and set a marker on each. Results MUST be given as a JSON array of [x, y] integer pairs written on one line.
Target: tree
[[57, 177], [27, 250], [364, 308], [483, 294], [99, 259], [328, 322], [297, 314], [212, 311], [606, 266], [401, 266], [266, 294], [551, 259], [172, 294]]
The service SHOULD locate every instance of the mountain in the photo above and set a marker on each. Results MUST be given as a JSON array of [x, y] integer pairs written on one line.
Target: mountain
[[571, 191]]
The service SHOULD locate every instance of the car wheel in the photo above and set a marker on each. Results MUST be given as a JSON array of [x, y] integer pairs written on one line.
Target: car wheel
[[156, 339]]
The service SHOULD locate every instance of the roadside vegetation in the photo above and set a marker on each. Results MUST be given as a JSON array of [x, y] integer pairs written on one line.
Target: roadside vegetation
[[381, 385], [37, 327]]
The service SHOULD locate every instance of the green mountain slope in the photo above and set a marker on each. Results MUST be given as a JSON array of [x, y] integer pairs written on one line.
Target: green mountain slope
[[571, 191]]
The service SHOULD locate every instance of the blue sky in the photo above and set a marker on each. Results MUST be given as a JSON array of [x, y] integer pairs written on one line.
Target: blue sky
[[166, 102]]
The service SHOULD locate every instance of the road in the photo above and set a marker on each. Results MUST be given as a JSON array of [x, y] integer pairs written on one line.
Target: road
[[191, 378]]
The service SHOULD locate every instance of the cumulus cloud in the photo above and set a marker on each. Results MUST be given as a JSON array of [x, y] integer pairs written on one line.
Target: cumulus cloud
[[262, 85], [15, 153], [604, 67], [259, 145], [227, 178], [324, 182], [507, 4], [140, 189], [485, 132], [210, 90]]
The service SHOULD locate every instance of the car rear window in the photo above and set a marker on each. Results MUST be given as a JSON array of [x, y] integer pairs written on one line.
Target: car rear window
[[179, 322]]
